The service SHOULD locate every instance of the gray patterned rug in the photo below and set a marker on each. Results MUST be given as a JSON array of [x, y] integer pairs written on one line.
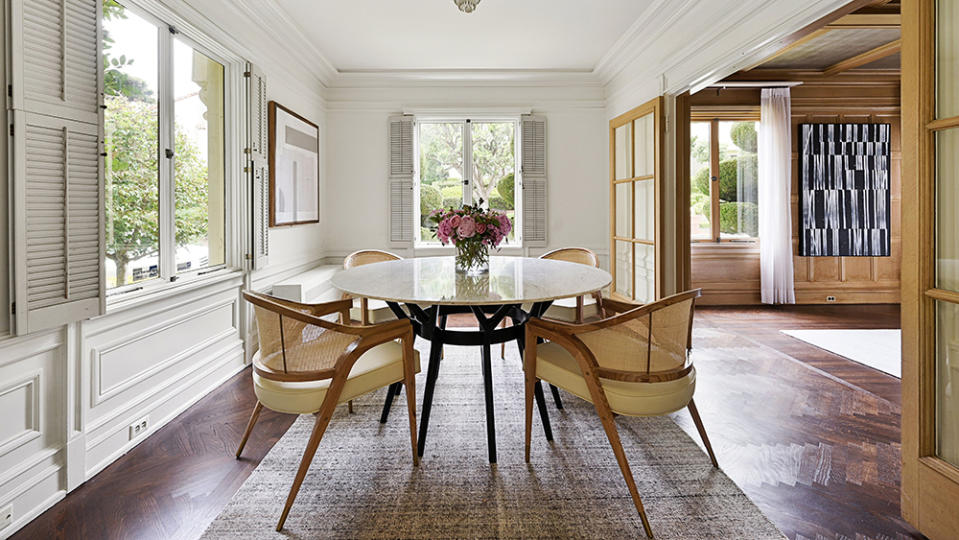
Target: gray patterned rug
[[362, 483]]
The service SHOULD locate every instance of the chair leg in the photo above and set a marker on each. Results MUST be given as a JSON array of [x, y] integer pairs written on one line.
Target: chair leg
[[490, 409], [529, 370], [702, 431], [322, 421], [390, 393], [613, 435], [556, 399], [349, 406], [249, 428]]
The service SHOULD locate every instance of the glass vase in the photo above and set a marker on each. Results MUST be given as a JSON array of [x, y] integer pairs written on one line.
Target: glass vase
[[472, 258]]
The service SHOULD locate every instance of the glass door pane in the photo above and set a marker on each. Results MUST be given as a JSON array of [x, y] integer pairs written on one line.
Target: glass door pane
[[645, 228], [494, 164], [441, 171], [738, 180], [645, 259], [199, 160], [644, 145], [624, 209], [131, 129], [623, 259], [947, 59], [947, 218], [699, 144], [947, 382], [623, 158]]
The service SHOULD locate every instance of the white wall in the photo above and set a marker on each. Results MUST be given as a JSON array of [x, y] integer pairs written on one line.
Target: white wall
[[68, 395], [356, 203]]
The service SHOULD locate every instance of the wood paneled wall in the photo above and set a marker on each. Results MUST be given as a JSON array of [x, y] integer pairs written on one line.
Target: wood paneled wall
[[729, 272]]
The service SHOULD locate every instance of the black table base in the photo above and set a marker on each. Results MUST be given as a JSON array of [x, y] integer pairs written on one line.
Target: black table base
[[430, 323]]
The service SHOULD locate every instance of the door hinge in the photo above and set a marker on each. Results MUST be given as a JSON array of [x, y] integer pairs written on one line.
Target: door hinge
[[247, 74], [248, 256], [11, 130], [13, 308], [9, 90]]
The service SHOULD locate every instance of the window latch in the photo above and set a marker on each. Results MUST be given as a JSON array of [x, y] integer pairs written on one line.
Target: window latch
[[713, 178], [169, 153]]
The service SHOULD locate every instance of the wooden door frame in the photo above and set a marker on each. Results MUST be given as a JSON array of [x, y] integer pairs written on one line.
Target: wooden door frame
[[654, 106], [930, 485]]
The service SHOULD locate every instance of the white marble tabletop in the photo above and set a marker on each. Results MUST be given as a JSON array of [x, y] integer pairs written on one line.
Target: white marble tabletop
[[433, 280]]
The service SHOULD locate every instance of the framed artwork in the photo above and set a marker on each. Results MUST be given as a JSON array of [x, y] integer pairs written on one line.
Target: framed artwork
[[294, 168], [844, 190]]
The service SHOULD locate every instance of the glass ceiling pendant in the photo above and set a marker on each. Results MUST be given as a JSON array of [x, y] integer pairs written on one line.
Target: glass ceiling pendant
[[466, 6]]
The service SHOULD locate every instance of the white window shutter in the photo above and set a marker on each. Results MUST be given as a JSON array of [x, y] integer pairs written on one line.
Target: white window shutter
[[533, 169], [401, 168], [259, 166], [55, 68], [57, 181]]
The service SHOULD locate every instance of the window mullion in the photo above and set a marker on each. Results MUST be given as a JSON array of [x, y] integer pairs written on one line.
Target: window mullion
[[467, 162], [167, 201], [714, 180]]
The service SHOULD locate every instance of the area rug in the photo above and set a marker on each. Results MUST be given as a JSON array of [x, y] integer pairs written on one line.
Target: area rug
[[362, 483], [878, 349]]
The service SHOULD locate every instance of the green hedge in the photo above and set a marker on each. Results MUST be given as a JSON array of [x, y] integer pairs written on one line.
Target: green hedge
[[430, 199], [507, 191], [728, 171], [453, 202], [729, 218]]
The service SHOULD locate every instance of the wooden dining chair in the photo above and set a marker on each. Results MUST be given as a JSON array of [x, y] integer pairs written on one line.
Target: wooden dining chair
[[575, 309], [369, 311], [633, 363], [582, 307], [307, 365]]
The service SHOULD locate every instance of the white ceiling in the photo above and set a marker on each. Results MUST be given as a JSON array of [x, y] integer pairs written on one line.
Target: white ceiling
[[384, 35]]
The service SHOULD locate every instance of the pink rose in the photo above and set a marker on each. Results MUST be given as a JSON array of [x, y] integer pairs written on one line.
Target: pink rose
[[454, 220], [504, 224], [466, 228], [444, 231], [480, 228]]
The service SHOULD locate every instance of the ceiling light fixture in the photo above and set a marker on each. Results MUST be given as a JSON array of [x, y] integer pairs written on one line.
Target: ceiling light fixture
[[466, 6]]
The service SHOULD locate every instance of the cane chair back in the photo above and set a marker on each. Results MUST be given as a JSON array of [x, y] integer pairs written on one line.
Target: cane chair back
[[575, 309], [573, 254], [376, 311], [652, 345], [368, 256]]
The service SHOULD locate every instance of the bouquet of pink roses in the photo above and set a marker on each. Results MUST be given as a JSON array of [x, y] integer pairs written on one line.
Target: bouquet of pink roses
[[473, 230]]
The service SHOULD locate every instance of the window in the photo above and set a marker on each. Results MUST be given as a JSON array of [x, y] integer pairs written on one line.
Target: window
[[465, 162], [165, 164], [724, 174]]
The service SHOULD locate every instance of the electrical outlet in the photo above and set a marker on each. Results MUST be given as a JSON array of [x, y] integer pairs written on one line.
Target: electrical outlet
[[139, 427], [6, 516], [830, 298]]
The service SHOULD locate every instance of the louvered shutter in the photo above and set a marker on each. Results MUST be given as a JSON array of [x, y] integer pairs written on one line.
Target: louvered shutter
[[57, 196], [401, 179], [533, 169], [259, 166]]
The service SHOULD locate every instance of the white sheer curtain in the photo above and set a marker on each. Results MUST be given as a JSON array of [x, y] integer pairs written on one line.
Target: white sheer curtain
[[775, 222]]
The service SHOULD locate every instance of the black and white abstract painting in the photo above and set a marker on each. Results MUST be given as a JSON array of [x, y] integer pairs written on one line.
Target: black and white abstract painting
[[844, 190]]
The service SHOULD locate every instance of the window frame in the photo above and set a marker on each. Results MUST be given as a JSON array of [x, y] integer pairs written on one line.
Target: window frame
[[234, 128], [713, 118], [466, 122]]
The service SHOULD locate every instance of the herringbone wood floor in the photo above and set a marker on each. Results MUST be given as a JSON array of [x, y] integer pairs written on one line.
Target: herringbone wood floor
[[811, 437]]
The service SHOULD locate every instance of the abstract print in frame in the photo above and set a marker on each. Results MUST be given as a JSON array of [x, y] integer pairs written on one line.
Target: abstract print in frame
[[294, 168], [844, 190]]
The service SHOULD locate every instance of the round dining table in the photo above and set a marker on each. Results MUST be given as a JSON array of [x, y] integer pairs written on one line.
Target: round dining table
[[426, 290]]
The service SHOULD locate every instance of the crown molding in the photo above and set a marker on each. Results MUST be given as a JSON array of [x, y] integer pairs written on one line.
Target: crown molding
[[718, 52], [464, 78], [288, 35], [659, 15]]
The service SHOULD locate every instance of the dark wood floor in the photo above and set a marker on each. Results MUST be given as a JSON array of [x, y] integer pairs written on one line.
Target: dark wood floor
[[812, 438]]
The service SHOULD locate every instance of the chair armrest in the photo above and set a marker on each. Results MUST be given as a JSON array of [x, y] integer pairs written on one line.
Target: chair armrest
[[317, 310], [562, 334]]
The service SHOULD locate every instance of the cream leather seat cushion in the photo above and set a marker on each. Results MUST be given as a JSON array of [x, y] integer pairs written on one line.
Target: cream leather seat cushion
[[380, 366], [558, 367], [564, 309], [378, 312]]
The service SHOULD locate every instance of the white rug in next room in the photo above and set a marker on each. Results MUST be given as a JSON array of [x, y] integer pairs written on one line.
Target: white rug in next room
[[879, 349]]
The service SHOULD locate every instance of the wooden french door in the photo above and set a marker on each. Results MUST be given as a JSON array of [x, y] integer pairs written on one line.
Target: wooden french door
[[635, 171], [930, 270]]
